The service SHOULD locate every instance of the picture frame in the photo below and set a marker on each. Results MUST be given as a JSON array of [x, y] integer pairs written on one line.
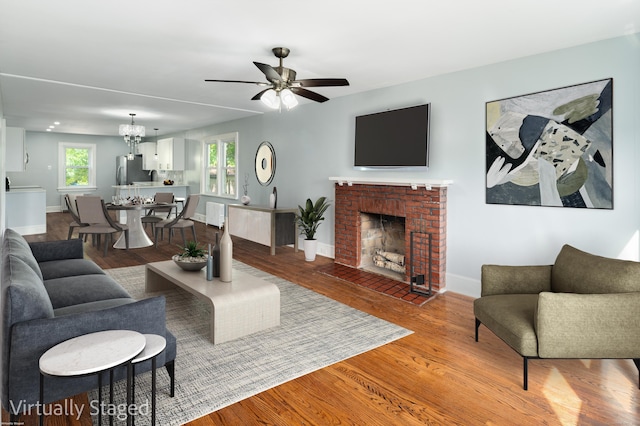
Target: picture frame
[[552, 148]]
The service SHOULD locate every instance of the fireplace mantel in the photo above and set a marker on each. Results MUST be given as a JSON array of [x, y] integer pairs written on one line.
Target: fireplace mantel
[[413, 183]]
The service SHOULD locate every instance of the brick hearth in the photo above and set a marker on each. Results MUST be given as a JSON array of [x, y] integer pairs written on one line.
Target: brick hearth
[[424, 210]]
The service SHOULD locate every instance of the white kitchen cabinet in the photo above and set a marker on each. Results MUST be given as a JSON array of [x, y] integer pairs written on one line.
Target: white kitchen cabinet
[[171, 154], [148, 151], [26, 210], [17, 157]]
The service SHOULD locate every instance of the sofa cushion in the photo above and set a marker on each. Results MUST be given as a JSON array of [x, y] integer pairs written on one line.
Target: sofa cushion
[[79, 289], [511, 318], [15, 244], [91, 306], [68, 268], [24, 296], [576, 271]]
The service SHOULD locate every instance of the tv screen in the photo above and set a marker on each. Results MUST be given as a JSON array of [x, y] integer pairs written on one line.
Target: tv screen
[[393, 139]]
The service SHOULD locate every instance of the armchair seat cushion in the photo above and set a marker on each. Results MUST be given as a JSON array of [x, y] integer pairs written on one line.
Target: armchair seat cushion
[[511, 318]]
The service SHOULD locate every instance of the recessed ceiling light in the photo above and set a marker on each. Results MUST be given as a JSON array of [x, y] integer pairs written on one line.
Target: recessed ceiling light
[[52, 127], [48, 130], [57, 123]]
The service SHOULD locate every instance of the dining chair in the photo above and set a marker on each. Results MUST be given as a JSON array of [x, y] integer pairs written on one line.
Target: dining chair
[[181, 221], [92, 211], [70, 200], [156, 214]]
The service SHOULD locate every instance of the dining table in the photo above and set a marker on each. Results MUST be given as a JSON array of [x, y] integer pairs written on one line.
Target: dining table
[[138, 237]]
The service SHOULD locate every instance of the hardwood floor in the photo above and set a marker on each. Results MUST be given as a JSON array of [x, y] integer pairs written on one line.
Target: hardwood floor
[[437, 375]]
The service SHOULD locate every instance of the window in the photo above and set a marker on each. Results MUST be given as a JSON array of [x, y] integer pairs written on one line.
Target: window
[[77, 165], [219, 166]]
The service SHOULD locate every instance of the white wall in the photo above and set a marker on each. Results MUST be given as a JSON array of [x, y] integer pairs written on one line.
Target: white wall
[[315, 141]]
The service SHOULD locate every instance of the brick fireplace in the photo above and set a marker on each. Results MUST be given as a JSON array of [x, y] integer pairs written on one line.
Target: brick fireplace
[[424, 209]]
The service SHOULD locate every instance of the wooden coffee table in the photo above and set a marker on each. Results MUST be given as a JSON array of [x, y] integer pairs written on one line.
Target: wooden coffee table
[[241, 307]]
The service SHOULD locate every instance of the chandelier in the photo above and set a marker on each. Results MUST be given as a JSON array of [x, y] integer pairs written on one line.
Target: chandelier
[[132, 133]]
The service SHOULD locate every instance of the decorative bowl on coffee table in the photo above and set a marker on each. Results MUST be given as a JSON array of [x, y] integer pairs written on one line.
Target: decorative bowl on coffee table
[[190, 263]]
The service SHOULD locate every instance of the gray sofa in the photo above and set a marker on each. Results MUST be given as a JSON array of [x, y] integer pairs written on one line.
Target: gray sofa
[[583, 306], [50, 294]]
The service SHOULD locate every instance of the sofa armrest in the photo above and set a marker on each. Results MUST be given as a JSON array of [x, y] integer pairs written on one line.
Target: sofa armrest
[[45, 251], [570, 325], [501, 279], [30, 339]]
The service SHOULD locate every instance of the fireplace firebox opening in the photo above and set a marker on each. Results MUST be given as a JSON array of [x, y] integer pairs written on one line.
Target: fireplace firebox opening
[[383, 245]]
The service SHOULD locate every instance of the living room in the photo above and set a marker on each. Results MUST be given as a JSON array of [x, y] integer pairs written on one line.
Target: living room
[[314, 142]]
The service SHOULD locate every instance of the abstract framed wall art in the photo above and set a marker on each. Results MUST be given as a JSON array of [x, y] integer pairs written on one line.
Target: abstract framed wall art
[[552, 148]]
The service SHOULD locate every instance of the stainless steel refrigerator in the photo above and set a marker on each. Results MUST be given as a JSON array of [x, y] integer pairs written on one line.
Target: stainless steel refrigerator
[[129, 171]]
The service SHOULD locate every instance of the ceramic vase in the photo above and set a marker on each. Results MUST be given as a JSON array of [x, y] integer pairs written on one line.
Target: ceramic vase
[[215, 253], [273, 198], [226, 254], [245, 199]]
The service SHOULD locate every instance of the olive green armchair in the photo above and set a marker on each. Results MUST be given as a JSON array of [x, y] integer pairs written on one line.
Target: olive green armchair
[[583, 306]]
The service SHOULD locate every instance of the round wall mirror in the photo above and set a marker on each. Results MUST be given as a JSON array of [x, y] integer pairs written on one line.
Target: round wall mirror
[[265, 163]]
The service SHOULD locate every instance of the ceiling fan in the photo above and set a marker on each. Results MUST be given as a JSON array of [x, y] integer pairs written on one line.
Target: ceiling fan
[[283, 83]]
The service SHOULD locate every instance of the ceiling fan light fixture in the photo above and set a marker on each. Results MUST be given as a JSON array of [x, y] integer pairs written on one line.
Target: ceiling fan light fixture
[[288, 98], [270, 98]]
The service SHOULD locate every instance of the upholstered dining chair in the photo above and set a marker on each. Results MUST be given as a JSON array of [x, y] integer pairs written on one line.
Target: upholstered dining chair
[[157, 214], [92, 211], [181, 221], [70, 200]]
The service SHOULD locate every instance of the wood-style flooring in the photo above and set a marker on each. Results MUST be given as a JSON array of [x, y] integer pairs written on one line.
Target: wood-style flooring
[[438, 375]]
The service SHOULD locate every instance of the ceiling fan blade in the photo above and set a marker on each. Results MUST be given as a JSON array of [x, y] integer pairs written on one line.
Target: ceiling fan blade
[[259, 95], [309, 94], [259, 83], [267, 70], [322, 82]]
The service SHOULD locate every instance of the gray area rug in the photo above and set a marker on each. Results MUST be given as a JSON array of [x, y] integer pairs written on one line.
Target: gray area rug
[[315, 332]]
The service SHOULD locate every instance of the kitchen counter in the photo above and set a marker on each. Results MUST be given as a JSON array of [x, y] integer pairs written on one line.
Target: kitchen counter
[[26, 209], [26, 189], [153, 185]]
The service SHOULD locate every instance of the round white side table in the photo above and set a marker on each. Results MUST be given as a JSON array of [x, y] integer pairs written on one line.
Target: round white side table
[[155, 344], [92, 353]]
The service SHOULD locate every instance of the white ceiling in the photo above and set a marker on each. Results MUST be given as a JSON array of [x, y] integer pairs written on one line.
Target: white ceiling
[[88, 64]]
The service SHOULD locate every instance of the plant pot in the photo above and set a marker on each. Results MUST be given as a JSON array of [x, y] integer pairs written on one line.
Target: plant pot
[[191, 264], [310, 249]]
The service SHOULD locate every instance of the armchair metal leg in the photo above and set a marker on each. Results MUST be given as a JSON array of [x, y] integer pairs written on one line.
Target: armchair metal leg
[[525, 373], [477, 327]]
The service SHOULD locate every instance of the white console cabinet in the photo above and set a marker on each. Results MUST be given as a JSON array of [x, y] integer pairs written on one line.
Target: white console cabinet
[[263, 225]]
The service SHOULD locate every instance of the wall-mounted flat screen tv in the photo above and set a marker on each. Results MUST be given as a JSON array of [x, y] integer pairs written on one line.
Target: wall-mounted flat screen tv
[[396, 138]]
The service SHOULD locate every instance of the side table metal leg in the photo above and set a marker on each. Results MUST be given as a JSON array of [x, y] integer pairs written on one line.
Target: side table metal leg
[[153, 391], [100, 399], [110, 395], [41, 396], [129, 378]]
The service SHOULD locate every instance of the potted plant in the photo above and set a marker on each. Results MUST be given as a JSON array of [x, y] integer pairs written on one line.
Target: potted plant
[[308, 221], [192, 257]]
